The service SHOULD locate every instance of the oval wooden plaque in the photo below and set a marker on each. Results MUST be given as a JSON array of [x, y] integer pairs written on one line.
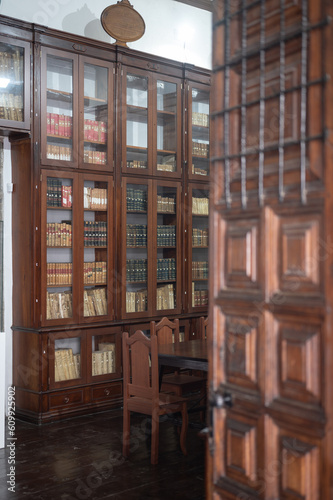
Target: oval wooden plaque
[[122, 22]]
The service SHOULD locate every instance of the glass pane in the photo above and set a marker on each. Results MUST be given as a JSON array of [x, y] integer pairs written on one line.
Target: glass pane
[[67, 359], [136, 251], [200, 212], [166, 248], [137, 122], [95, 113], [200, 132], [166, 126], [59, 248], [59, 108], [103, 355], [95, 200], [11, 82]]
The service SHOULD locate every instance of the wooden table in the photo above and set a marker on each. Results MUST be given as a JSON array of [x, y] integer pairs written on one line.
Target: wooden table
[[191, 354]]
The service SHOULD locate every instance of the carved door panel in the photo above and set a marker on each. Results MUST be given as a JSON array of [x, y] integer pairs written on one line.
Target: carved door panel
[[271, 366]]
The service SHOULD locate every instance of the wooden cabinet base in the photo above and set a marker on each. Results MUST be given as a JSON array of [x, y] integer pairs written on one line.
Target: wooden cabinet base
[[47, 407]]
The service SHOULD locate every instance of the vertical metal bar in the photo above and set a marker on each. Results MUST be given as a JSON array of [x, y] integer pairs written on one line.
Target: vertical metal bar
[[282, 102], [262, 105], [303, 98], [226, 102], [243, 108]]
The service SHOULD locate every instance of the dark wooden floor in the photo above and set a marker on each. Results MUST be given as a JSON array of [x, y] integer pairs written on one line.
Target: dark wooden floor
[[81, 459]]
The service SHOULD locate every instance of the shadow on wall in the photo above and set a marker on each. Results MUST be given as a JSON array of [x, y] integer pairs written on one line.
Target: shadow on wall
[[86, 20]]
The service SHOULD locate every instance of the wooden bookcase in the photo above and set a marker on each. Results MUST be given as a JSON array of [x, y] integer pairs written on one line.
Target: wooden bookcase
[[102, 216]]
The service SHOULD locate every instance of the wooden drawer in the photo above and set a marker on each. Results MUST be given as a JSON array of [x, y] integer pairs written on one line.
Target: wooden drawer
[[106, 392], [66, 399]]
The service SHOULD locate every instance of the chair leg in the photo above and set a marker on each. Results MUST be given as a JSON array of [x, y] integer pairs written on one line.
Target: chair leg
[[183, 431], [155, 425], [126, 432]]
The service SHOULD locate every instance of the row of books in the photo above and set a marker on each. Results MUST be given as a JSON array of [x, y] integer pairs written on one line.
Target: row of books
[[166, 204], [54, 152], [199, 270], [200, 149], [95, 233], [94, 131], [136, 235], [95, 198], [136, 164], [136, 270], [92, 156], [58, 234], [166, 269], [58, 305], [166, 167], [11, 65], [58, 195], [67, 366], [199, 170], [165, 297], [11, 106], [199, 297], [104, 359], [94, 302], [136, 200], [136, 301], [200, 237], [94, 273], [59, 125], [166, 236], [200, 206], [59, 273], [200, 119]]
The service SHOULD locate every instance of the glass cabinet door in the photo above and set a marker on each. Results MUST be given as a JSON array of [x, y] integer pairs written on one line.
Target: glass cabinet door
[[198, 153], [14, 83], [97, 87], [67, 353], [57, 250], [198, 234], [135, 125], [167, 244], [97, 259], [136, 229], [105, 353], [67, 359], [168, 127], [59, 107]]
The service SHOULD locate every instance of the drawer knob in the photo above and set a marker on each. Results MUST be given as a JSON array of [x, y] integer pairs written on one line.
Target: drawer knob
[[107, 392], [66, 399]]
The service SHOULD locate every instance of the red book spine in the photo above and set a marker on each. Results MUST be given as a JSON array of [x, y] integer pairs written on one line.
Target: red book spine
[[56, 124]]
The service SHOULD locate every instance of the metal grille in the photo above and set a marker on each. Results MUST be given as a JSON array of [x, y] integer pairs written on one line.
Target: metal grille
[[240, 59]]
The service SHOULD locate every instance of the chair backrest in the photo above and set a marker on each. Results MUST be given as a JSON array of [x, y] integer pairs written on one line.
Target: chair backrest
[[140, 379], [203, 327], [167, 331]]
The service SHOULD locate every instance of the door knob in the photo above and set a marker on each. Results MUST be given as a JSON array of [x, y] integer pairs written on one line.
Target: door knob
[[219, 399]]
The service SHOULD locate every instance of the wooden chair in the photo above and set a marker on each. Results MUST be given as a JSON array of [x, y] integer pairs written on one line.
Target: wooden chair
[[141, 391], [203, 327], [167, 331]]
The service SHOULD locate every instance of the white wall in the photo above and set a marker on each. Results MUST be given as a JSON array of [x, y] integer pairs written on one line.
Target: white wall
[[173, 30]]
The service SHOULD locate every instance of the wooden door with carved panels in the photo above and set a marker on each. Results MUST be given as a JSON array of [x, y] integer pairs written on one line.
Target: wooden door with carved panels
[[271, 285]]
